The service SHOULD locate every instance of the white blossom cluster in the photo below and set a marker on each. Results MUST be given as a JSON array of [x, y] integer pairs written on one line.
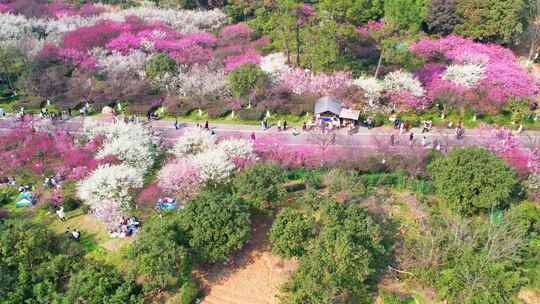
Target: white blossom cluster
[[215, 161], [117, 64], [467, 75], [198, 80], [114, 183], [15, 27], [186, 21], [403, 81], [215, 165], [372, 87], [236, 148], [130, 142], [194, 142], [274, 64]]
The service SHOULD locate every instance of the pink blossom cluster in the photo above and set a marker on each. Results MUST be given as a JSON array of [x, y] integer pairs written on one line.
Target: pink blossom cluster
[[68, 56], [371, 26], [181, 176], [503, 143], [304, 81], [232, 62], [275, 148], [39, 152], [404, 100], [503, 78], [239, 31], [234, 46], [431, 77], [109, 213]]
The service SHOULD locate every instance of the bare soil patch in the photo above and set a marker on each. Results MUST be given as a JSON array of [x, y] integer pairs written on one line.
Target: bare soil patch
[[254, 275]]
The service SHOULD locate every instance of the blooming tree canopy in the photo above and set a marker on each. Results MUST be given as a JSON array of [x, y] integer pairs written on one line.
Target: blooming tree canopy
[[114, 183]]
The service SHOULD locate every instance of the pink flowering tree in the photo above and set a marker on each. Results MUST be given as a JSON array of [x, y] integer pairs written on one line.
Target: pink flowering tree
[[180, 177], [109, 213], [39, 152], [304, 81], [524, 158], [502, 77]]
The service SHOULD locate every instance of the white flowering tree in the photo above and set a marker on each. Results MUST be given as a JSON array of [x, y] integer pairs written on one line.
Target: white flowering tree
[[403, 81], [114, 183], [274, 65], [237, 148], [372, 87], [467, 75], [215, 166], [196, 80], [116, 64], [195, 141], [132, 143]]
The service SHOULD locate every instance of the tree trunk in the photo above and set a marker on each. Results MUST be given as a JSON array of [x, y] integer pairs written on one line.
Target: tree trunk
[[297, 44], [379, 65]]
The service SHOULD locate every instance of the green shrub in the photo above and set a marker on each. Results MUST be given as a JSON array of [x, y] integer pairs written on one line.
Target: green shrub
[[473, 179], [189, 292], [158, 65], [314, 180], [7, 194], [71, 203], [383, 179], [291, 232], [246, 79], [422, 186], [261, 184]]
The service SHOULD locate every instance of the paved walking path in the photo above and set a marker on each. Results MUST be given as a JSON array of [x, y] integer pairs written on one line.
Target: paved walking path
[[376, 138]]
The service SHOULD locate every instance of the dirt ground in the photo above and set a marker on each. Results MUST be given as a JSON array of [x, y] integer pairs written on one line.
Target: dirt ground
[[254, 275]]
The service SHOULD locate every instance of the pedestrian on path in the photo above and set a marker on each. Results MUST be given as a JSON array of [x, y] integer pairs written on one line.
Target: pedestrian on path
[[424, 141], [206, 125], [61, 214], [252, 136], [411, 138]]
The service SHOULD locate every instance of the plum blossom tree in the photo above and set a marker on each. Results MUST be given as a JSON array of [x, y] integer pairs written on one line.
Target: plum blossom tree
[[274, 64], [304, 81], [114, 183], [372, 87], [238, 150], [181, 177], [404, 90], [195, 80], [467, 75], [133, 144], [502, 78], [215, 166], [109, 213], [524, 158], [194, 142]]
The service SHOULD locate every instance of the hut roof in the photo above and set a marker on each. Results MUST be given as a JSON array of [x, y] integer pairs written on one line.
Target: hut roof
[[328, 104], [349, 114]]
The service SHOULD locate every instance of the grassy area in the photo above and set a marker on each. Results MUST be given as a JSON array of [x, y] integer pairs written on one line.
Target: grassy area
[[95, 238]]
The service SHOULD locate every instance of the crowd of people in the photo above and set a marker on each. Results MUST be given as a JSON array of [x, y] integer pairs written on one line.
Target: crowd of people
[[127, 227]]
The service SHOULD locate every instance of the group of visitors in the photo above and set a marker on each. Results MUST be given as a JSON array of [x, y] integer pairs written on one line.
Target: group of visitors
[[73, 234], [7, 181], [427, 126], [128, 227], [52, 181]]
